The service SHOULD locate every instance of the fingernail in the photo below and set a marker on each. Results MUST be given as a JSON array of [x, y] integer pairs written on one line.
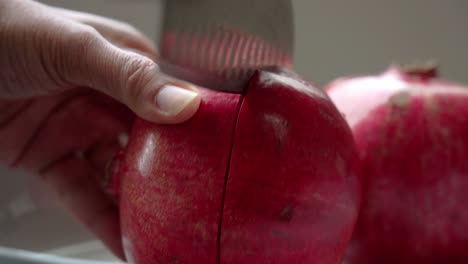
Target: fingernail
[[172, 99]]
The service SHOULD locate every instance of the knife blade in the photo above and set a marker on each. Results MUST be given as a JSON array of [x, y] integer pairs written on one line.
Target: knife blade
[[218, 44]]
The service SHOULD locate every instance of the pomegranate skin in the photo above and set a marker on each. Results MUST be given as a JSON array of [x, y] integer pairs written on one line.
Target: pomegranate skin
[[410, 130], [271, 176], [172, 181], [293, 188]]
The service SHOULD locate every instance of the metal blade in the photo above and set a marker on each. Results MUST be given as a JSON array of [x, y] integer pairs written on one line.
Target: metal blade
[[218, 44]]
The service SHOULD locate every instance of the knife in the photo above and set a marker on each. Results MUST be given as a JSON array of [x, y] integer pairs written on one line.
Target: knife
[[218, 44]]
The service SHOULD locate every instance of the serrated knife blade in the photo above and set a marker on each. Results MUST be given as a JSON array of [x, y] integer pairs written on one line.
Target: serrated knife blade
[[218, 44]]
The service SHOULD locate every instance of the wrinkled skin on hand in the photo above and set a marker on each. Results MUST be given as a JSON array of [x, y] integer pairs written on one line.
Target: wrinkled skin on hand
[[67, 140], [69, 87]]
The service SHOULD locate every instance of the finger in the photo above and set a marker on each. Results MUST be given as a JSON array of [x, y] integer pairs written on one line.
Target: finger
[[135, 80], [15, 134], [76, 123], [119, 33], [74, 183]]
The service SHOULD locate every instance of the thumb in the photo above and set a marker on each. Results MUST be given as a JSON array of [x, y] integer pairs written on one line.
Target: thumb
[[131, 78]]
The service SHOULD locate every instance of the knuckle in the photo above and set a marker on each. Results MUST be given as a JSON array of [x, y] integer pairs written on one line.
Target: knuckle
[[139, 74], [83, 39], [77, 45]]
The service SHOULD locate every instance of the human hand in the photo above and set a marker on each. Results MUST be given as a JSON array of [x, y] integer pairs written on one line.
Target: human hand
[[69, 86]]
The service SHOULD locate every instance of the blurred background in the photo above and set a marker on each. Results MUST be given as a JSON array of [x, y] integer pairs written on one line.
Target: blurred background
[[332, 39]]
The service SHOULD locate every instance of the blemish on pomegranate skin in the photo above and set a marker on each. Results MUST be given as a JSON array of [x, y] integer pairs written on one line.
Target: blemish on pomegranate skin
[[431, 105], [325, 114], [398, 104], [340, 166], [399, 100], [175, 260], [279, 233], [201, 231], [318, 197], [286, 214], [279, 125]]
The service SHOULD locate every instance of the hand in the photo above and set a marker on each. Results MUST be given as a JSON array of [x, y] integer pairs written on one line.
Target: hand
[[69, 85]]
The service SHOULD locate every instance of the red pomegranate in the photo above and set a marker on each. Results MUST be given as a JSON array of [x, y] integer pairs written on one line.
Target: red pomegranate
[[411, 130], [270, 176]]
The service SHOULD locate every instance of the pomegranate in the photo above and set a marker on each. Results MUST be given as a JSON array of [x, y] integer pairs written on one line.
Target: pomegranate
[[269, 176], [410, 128]]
